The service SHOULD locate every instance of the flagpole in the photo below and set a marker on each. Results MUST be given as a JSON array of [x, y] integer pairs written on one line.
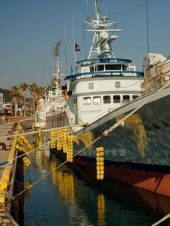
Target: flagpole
[[74, 43]]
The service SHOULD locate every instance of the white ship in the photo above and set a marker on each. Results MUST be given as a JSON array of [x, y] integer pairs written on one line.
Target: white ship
[[119, 115]]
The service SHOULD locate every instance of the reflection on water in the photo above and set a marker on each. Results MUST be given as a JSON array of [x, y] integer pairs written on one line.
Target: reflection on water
[[69, 198]]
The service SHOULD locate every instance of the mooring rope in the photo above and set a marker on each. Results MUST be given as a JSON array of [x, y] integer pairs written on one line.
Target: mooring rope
[[28, 152], [37, 131], [105, 133], [161, 220], [31, 185]]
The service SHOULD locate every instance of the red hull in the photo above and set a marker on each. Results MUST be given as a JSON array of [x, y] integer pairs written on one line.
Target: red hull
[[152, 181]]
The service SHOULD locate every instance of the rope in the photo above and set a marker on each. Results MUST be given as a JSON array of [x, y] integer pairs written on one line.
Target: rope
[[161, 220], [28, 152], [122, 120], [36, 182], [37, 131], [106, 132]]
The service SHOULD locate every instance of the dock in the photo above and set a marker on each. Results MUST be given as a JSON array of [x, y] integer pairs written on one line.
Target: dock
[[11, 176]]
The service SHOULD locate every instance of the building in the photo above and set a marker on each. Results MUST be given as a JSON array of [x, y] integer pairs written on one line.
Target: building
[[1, 102]]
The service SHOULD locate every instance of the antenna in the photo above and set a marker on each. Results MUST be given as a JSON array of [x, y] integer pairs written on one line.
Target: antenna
[[42, 73], [87, 8], [98, 5], [147, 25], [74, 42], [65, 50]]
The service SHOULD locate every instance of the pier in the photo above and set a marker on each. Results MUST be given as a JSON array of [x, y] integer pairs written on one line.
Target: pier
[[11, 176]]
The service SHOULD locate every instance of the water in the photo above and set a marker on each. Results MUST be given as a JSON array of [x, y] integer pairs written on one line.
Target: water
[[68, 198]]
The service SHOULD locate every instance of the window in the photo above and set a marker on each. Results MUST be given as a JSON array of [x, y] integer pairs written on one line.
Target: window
[[126, 98], [100, 67], [113, 66], [116, 99], [124, 67], [134, 97], [106, 99], [97, 100], [91, 69], [86, 101]]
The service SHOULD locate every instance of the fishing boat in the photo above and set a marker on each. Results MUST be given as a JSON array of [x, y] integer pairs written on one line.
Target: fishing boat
[[118, 115], [51, 106]]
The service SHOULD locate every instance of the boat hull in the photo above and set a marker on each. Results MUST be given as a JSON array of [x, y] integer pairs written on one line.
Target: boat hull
[[145, 178], [136, 152], [57, 120]]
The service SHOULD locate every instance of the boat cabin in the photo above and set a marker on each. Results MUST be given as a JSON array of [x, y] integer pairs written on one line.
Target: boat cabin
[[101, 85]]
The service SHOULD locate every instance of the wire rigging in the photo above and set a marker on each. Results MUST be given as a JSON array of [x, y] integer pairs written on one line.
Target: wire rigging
[[147, 25], [128, 10]]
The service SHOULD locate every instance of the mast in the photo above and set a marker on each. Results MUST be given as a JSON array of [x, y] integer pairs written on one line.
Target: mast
[[57, 74], [97, 9], [101, 44]]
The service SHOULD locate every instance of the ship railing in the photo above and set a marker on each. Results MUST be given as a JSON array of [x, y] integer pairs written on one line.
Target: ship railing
[[156, 76]]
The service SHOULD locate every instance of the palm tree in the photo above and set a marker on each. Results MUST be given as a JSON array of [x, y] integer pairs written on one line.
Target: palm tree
[[32, 89], [24, 87], [15, 94], [39, 91]]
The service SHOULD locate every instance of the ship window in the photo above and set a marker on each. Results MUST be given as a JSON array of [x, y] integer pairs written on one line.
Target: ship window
[[100, 67], [106, 99], [92, 68], [134, 97], [113, 66], [116, 99], [96, 100], [126, 98], [124, 67], [86, 100]]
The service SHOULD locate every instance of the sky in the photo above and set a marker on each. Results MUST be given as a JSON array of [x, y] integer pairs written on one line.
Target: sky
[[29, 30]]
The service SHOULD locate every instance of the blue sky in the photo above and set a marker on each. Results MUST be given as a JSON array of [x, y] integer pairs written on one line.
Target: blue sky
[[29, 29]]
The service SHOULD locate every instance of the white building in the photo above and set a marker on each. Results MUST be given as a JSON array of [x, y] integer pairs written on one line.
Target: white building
[[1, 102]]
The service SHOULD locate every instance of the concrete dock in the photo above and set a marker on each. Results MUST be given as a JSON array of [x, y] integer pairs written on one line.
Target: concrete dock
[[8, 175]]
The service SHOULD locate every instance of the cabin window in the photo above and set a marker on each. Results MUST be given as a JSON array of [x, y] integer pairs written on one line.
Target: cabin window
[[100, 67], [124, 67], [113, 67], [91, 69], [134, 97], [97, 100], [126, 98], [86, 101], [116, 99], [106, 99]]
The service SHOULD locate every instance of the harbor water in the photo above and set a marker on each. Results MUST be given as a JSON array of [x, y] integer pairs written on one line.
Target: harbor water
[[72, 198]]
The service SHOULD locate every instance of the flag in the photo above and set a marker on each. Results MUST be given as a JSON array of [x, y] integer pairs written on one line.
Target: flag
[[77, 48]]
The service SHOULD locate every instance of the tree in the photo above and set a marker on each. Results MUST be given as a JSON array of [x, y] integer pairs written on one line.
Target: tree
[[24, 86], [39, 91], [32, 89], [15, 94]]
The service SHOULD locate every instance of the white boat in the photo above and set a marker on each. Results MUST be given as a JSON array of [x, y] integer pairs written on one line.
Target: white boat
[[53, 104], [120, 119]]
